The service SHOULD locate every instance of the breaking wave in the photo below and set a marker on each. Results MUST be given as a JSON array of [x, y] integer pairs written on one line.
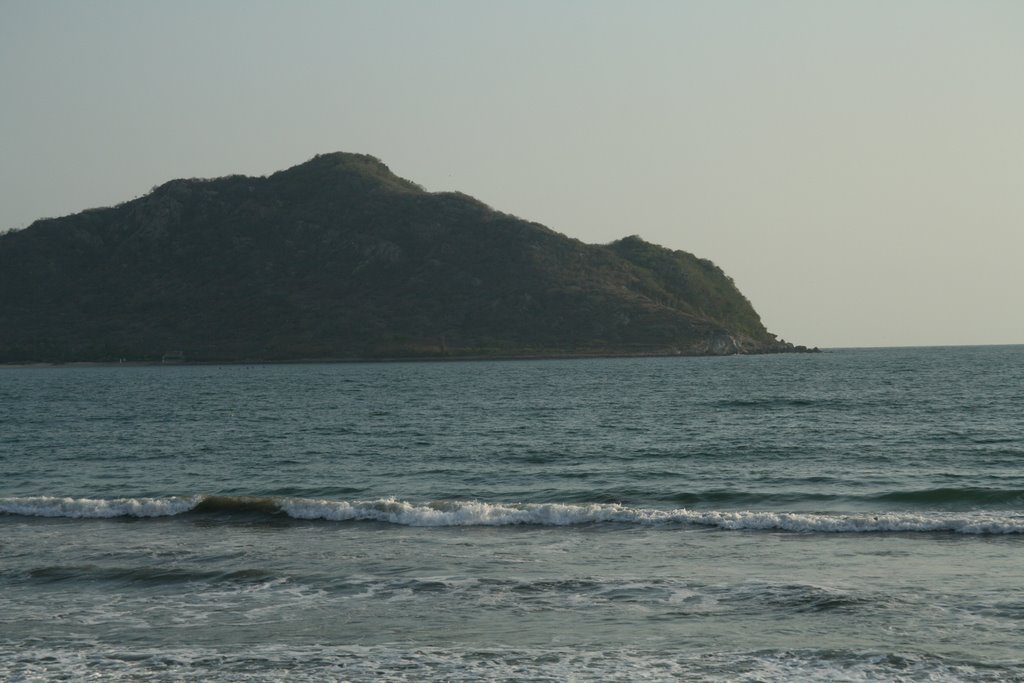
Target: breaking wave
[[454, 513], [97, 508], [272, 663]]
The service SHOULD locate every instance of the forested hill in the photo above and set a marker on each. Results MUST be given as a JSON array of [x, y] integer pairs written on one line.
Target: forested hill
[[338, 258]]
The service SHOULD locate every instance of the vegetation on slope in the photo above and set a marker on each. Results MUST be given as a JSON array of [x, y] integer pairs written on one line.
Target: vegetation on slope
[[340, 258]]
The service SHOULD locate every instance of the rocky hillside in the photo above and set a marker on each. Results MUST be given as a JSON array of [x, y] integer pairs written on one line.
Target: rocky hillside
[[338, 258]]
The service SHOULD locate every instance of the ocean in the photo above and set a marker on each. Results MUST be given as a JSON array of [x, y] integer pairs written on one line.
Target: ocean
[[853, 515]]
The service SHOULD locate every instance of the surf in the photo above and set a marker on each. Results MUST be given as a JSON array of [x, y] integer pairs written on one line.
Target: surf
[[463, 513]]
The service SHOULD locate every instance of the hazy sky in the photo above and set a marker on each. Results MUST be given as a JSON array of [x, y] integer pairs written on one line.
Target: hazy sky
[[856, 167]]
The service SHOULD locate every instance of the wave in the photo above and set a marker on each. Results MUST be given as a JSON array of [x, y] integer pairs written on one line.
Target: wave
[[386, 663], [455, 513], [97, 508], [964, 497], [773, 402], [952, 496], [147, 575]]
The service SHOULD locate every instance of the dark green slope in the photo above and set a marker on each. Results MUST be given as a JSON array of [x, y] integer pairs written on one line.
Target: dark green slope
[[339, 258]]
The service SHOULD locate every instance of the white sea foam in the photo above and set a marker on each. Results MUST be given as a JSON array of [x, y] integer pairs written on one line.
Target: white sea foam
[[279, 663], [51, 506], [450, 513], [475, 513]]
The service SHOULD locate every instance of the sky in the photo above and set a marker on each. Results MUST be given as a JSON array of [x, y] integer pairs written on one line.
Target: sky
[[856, 167]]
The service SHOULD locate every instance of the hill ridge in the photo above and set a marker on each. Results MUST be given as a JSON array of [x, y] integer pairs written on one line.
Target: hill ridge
[[338, 257]]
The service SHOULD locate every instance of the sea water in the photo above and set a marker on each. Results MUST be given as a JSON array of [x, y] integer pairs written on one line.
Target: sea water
[[849, 515]]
